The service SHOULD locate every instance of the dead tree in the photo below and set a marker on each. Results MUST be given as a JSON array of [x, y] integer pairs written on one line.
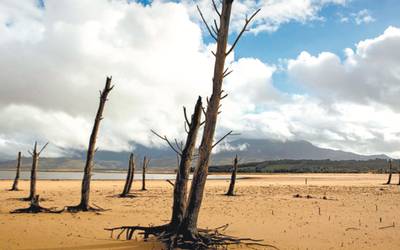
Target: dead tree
[[132, 174], [185, 157], [35, 163], [87, 175], [231, 190], [189, 225], [182, 176], [188, 236], [15, 184], [390, 173], [144, 168], [129, 177], [33, 197]]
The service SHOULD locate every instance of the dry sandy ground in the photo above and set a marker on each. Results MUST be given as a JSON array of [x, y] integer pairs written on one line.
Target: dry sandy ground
[[358, 214]]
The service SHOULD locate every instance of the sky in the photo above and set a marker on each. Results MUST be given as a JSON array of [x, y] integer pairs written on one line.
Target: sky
[[325, 71]]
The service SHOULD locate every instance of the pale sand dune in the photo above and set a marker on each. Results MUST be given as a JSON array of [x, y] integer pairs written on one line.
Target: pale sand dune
[[264, 208]]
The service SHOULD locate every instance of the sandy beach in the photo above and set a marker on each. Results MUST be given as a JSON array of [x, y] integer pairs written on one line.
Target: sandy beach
[[358, 212]]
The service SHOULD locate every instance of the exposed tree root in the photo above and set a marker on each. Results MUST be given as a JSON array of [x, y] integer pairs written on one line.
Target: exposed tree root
[[35, 208], [126, 196], [29, 199], [82, 208], [201, 240]]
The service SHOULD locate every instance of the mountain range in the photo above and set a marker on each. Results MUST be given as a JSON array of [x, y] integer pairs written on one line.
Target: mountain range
[[248, 150]]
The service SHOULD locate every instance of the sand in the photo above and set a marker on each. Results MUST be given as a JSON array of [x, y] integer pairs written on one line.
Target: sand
[[358, 213]]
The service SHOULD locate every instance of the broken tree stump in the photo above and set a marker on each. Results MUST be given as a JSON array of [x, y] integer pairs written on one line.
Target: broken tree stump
[[390, 173], [129, 177], [144, 168], [231, 190], [15, 183]]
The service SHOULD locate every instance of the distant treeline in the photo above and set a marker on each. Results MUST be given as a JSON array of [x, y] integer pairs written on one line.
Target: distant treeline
[[310, 166]]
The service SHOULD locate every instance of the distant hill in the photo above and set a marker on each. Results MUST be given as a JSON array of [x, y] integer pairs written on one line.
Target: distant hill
[[262, 149], [307, 166], [249, 150]]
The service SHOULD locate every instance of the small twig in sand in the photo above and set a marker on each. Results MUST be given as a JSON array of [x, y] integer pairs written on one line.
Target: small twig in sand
[[393, 225], [170, 182]]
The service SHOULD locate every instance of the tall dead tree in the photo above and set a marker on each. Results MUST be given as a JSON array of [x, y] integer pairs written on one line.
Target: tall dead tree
[[35, 163], [144, 168], [185, 157], [87, 175], [231, 190], [33, 197], [15, 184], [390, 173], [220, 34], [129, 177]]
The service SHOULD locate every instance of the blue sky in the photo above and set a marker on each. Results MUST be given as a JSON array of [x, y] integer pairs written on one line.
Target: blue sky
[[329, 34], [317, 36]]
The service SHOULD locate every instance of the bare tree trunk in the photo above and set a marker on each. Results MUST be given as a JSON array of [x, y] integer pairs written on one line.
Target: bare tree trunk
[[182, 176], [189, 224], [144, 167], [390, 172], [129, 177], [15, 184], [85, 192], [35, 162], [231, 190], [132, 174], [35, 158]]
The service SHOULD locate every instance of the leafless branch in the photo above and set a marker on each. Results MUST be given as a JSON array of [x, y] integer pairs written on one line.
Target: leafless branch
[[216, 8], [179, 146], [216, 26], [247, 21], [185, 114], [207, 26], [223, 137], [185, 125], [43, 148], [214, 30], [170, 182], [228, 73], [169, 143]]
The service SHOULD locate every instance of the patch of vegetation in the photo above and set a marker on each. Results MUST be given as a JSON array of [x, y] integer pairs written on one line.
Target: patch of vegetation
[[308, 166]]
